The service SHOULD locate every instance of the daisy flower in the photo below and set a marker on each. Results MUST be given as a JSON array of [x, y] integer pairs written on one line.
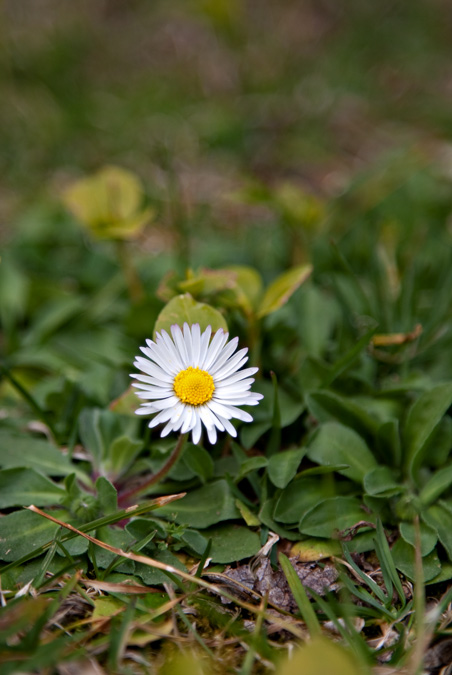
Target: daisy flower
[[190, 380]]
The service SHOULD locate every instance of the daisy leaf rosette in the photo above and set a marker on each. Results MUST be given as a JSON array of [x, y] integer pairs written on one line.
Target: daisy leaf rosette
[[189, 380]]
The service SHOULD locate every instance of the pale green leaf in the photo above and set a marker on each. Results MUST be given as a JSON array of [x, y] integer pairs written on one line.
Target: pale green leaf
[[280, 290]]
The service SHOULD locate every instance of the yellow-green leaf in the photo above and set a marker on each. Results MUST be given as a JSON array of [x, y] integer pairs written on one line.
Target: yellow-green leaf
[[183, 308], [109, 203], [279, 292], [321, 656]]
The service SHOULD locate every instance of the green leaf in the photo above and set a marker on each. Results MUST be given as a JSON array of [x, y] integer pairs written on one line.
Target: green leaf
[[120, 455], [198, 461], [248, 516], [117, 537], [423, 416], [251, 464], [249, 281], [388, 443], [337, 444], [108, 203], [232, 542], [428, 535], [107, 495], [404, 559], [299, 497], [183, 308], [324, 405], [279, 292], [206, 506], [320, 314], [440, 481], [91, 435], [440, 519], [22, 487], [33, 453], [380, 482], [332, 516], [22, 532], [283, 466]]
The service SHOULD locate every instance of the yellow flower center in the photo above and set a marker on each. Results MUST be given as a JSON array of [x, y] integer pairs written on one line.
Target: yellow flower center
[[194, 386]]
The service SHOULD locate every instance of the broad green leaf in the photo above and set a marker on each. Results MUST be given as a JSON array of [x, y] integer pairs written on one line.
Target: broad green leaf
[[120, 455], [91, 435], [380, 481], [428, 536], [120, 538], [206, 506], [183, 308], [232, 542], [299, 497], [22, 532], [325, 405], [34, 453], [332, 516], [423, 417], [437, 449], [320, 656], [199, 461], [440, 519], [283, 466], [22, 487], [279, 292], [436, 485], [107, 496], [337, 444], [251, 464], [152, 576], [266, 517], [403, 555]]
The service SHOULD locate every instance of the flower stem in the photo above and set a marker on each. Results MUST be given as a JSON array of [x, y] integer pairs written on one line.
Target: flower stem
[[156, 477]]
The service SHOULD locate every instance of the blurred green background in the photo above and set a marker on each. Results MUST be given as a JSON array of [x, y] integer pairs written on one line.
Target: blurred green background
[[312, 92]]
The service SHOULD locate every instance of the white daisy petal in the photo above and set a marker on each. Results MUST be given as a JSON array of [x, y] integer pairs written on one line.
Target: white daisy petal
[[241, 375], [234, 363], [178, 338], [212, 434], [205, 339], [188, 344], [189, 380], [224, 355], [217, 344], [228, 426], [196, 432], [196, 344], [173, 357]]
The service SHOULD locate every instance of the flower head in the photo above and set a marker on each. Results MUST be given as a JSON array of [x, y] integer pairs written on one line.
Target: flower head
[[191, 380]]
